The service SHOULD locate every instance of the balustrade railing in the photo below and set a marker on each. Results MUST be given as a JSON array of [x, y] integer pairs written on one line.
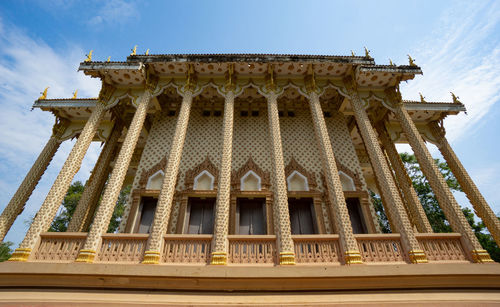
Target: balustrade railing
[[442, 246], [321, 249], [122, 247], [193, 249], [59, 246], [252, 249], [380, 248]]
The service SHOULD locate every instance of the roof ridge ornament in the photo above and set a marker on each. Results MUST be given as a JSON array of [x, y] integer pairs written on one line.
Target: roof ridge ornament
[[390, 63], [411, 60], [352, 53], [367, 53], [422, 98], [74, 94], [109, 59], [44, 94], [89, 56], [147, 52], [455, 98], [134, 50]]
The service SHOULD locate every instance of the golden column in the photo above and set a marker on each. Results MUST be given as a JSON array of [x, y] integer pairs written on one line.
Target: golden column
[[447, 202], [220, 242], [115, 181], [335, 192], [84, 211], [16, 204], [475, 197], [55, 197], [386, 181], [415, 208], [164, 205], [285, 241]]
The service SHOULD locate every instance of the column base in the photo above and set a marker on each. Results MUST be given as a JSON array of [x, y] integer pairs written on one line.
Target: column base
[[20, 254], [219, 258], [353, 257], [151, 257], [480, 256], [417, 256], [287, 258], [86, 255]]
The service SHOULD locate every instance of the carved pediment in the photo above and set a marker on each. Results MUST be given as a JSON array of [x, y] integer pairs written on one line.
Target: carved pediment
[[250, 165], [293, 165], [206, 165], [150, 172]]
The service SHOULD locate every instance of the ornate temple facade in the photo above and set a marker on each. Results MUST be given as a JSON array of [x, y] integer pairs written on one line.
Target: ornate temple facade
[[249, 172]]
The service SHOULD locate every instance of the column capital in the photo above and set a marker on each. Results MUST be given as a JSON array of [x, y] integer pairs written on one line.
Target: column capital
[[191, 79], [151, 78], [59, 127], [106, 92], [230, 78], [394, 95]]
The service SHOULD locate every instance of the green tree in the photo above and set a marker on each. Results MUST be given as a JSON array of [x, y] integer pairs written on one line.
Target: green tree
[[431, 207], [60, 223], [5, 250]]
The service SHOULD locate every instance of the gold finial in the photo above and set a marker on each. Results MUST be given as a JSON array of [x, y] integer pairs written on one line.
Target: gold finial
[[422, 98], [134, 50], [89, 56], [147, 52], [367, 53], [74, 94], [390, 63], [352, 53], [411, 60], [109, 59], [455, 98], [44, 94]]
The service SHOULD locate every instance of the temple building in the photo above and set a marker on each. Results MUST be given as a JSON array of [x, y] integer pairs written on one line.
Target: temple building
[[250, 177]]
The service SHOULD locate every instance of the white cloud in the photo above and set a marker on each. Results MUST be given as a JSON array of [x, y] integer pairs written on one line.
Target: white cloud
[[27, 66], [463, 56], [115, 11]]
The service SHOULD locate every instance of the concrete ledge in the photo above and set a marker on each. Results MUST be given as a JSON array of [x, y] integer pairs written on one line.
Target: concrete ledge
[[249, 278]]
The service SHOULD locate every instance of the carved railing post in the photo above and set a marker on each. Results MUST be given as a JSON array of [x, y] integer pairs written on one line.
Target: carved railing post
[[16, 205]]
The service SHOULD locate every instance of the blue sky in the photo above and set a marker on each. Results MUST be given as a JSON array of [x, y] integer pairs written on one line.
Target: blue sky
[[457, 44]]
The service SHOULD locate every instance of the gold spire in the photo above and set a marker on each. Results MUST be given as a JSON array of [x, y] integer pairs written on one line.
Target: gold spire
[[411, 60], [109, 59], [422, 100], [455, 98], [134, 50], [89, 56], [44, 94], [147, 52], [74, 94]]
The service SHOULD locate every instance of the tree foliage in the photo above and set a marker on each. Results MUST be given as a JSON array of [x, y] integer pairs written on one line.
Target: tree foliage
[[5, 250], [431, 207], [60, 223]]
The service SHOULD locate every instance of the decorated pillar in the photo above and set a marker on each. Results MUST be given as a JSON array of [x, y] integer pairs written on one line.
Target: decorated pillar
[[17, 202], [164, 205], [55, 197], [220, 243], [388, 187], [115, 181], [84, 211], [447, 202], [285, 241], [481, 207], [335, 192], [415, 208]]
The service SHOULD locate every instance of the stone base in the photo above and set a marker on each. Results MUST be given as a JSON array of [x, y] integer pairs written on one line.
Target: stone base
[[353, 257], [219, 258], [86, 255], [481, 256], [151, 257], [20, 254], [417, 256], [287, 258]]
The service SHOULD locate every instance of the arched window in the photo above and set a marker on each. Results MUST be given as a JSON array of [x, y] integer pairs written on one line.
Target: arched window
[[297, 182], [204, 181], [250, 182], [347, 182], [155, 181]]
